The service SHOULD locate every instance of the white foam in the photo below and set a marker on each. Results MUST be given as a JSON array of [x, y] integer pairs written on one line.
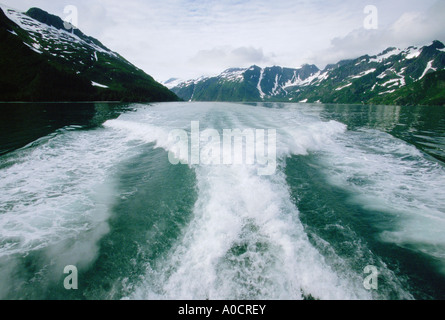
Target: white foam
[[245, 239], [143, 132], [393, 178], [276, 261], [56, 195]]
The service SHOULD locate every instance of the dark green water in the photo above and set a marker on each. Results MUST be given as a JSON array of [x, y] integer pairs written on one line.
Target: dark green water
[[91, 185]]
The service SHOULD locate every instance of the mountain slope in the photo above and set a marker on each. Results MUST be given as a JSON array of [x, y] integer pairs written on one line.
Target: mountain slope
[[42, 61], [392, 77], [430, 90], [252, 84], [27, 76]]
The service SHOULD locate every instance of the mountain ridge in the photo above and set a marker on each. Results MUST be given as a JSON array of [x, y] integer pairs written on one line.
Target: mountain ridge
[[46, 62], [392, 73]]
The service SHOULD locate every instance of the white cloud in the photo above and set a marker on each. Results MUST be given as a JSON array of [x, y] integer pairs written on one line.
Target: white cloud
[[185, 38], [410, 28], [217, 59]]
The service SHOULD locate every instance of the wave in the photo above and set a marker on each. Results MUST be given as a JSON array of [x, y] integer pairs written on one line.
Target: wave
[[245, 238]]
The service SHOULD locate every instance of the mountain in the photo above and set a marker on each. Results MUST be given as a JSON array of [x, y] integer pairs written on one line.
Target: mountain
[[42, 61], [396, 76], [252, 84]]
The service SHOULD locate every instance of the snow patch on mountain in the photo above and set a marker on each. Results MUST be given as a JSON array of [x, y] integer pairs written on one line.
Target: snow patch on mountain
[[49, 37], [260, 90], [392, 81], [95, 84], [387, 92], [172, 82], [390, 70], [413, 53], [275, 90], [234, 75], [296, 81], [429, 67], [384, 56], [343, 87], [364, 73]]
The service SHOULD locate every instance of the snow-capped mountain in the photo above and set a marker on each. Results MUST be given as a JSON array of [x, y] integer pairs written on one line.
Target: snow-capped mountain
[[68, 59], [367, 79], [252, 83]]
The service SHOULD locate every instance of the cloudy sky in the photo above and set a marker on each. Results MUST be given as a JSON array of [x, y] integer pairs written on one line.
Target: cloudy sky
[[190, 38]]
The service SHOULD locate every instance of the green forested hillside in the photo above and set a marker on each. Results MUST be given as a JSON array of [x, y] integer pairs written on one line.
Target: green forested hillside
[[38, 63], [411, 76]]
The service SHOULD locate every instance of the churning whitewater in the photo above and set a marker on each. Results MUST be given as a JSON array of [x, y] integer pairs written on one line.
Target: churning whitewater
[[109, 201]]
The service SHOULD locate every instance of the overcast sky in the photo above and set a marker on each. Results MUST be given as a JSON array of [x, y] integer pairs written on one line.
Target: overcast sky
[[190, 38]]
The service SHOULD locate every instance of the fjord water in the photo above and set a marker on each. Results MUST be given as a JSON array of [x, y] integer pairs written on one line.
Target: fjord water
[[92, 186]]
